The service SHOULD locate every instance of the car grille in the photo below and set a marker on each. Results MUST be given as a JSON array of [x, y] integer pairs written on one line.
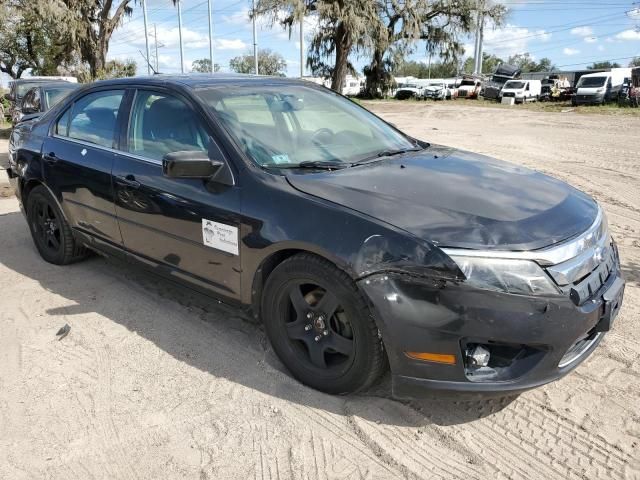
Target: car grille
[[584, 98], [462, 93], [509, 94]]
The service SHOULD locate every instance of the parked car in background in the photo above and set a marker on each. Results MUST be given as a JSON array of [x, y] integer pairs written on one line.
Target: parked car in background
[[600, 88], [36, 101], [469, 87], [409, 90], [521, 91], [18, 88], [358, 246], [44, 96], [437, 90], [504, 72]]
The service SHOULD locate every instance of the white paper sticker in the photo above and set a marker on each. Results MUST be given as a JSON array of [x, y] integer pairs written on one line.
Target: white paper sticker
[[220, 236]]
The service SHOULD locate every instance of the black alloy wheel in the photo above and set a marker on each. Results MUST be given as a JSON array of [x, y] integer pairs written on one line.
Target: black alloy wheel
[[49, 229], [321, 327]]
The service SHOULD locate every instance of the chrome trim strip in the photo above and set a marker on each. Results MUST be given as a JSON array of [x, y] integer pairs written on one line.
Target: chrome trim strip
[[577, 354], [579, 267], [547, 256]]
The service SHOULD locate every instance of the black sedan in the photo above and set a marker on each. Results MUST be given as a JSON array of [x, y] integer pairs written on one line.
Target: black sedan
[[358, 246]]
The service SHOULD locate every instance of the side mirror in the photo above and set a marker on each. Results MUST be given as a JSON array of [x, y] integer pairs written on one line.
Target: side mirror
[[190, 164]]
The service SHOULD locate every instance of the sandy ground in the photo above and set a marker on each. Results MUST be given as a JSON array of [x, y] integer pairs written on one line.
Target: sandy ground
[[155, 382]]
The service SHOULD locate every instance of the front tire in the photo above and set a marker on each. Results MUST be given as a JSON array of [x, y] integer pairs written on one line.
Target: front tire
[[321, 327], [50, 231]]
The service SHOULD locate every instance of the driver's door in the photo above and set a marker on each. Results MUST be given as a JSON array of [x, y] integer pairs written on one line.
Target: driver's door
[[166, 221]]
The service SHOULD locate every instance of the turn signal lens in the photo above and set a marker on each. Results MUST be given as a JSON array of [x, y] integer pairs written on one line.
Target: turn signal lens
[[446, 358]]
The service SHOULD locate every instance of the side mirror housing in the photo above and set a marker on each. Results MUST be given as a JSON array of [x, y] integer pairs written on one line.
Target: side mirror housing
[[190, 164]]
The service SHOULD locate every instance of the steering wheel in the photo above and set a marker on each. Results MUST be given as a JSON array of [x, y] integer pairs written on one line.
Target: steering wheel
[[317, 136]]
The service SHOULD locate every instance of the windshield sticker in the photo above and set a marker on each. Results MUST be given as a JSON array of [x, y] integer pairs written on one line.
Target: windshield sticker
[[278, 159], [220, 236]]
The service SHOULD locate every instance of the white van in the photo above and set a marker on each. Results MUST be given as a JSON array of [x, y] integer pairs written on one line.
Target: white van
[[521, 90], [601, 87]]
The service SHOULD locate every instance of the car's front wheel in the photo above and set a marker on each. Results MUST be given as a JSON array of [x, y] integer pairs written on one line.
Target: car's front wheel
[[321, 327], [50, 231]]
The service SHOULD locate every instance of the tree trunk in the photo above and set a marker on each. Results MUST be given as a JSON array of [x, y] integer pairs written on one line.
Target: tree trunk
[[375, 75], [343, 48]]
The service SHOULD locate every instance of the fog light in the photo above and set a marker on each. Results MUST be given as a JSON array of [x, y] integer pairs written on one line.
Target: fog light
[[478, 356]]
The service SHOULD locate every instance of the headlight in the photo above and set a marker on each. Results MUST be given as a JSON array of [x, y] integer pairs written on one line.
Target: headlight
[[522, 277]]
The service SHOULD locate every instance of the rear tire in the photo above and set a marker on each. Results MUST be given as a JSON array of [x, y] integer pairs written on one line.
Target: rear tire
[[320, 326], [50, 231]]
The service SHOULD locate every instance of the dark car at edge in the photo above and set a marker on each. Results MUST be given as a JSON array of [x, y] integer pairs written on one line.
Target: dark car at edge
[[360, 248]]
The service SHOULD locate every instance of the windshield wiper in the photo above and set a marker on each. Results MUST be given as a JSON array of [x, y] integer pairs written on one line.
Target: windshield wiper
[[386, 153], [317, 165]]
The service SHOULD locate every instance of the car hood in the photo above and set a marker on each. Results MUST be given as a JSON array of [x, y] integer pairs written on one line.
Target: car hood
[[458, 199]]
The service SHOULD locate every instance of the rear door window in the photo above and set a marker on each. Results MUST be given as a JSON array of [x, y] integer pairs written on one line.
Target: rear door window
[[93, 118]]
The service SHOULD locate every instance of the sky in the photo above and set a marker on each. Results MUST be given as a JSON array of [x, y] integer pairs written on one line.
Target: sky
[[573, 33]]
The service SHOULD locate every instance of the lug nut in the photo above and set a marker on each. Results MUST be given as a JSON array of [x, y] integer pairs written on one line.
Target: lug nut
[[318, 337], [325, 333], [321, 318], [309, 315], [307, 327]]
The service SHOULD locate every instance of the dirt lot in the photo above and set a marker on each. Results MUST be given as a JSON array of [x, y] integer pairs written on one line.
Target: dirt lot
[[154, 382]]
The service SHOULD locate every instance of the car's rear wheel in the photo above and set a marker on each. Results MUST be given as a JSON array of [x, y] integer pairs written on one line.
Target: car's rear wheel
[[321, 327], [50, 231]]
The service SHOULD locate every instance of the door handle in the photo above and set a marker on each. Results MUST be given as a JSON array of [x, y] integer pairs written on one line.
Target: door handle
[[50, 158], [128, 181]]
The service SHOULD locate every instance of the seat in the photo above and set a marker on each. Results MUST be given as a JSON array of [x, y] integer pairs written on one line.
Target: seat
[[169, 126]]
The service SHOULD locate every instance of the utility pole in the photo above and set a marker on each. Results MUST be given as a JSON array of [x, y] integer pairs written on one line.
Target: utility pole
[[255, 38], [430, 53], [302, 47], [210, 37], [155, 36], [146, 35], [180, 35], [477, 69]]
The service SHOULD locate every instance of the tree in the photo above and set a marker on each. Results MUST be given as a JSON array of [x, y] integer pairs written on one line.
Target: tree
[[118, 69], [489, 63], [31, 40], [345, 27], [421, 70], [528, 64], [603, 65], [443, 25], [635, 62], [203, 65], [269, 63]]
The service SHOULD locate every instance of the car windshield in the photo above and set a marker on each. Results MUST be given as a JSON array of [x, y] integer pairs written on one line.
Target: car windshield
[[286, 125], [515, 85], [468, 82], [54, 95], [592, 81]]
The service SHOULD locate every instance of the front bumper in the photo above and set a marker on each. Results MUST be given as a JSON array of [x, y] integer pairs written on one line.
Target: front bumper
[[588, 99], [422, 316]]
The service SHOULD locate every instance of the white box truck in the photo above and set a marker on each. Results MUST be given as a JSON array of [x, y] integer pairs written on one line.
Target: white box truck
[[521, 90], [599, 88]]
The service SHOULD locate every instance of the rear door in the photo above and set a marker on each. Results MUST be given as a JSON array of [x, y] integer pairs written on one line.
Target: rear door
[[78, 157], [166, 221]]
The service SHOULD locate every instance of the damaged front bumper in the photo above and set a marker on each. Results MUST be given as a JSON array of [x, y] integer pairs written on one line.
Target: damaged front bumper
[[532, 340]]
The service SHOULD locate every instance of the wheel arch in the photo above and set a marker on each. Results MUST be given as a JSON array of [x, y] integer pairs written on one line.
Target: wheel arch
[[27, 186], [272, 260]]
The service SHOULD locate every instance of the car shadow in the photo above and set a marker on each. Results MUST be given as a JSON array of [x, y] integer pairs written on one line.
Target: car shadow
[[210, 336]]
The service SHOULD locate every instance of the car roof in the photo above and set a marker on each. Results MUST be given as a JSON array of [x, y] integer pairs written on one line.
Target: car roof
[[63, 84], [37, 80], [199, 80]]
